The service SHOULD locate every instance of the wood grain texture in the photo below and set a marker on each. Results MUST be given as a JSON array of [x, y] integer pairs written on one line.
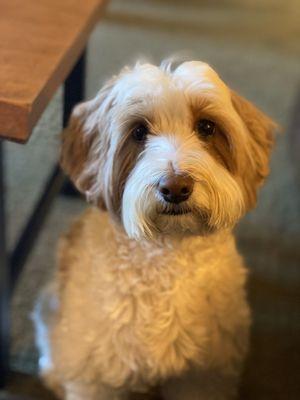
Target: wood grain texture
[[40, 41]]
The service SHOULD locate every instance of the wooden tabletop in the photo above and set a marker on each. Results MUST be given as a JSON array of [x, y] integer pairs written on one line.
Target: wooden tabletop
[[40, 41]]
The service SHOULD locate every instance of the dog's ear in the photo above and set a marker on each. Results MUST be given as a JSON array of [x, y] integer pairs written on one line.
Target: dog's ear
[[77, 139], [85, 143], [260, 141]]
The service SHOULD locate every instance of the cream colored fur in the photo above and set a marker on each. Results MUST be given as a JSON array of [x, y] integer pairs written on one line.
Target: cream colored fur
[[142, 300], [135, 314]]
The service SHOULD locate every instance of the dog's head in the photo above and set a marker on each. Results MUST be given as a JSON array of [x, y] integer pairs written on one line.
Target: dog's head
[[168, 151]]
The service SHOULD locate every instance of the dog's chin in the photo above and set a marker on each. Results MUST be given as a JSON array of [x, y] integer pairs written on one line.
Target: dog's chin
[[181, 220]]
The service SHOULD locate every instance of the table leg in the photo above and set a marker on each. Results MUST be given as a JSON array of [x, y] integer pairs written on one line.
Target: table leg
[[4, 279], [73, 93], [74, 87]]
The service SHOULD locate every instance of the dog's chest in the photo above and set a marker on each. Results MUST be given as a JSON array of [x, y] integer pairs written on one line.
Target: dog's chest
[[155, 311]]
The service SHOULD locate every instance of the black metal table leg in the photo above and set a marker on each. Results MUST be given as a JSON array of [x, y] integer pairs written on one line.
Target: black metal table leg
[[74, 87], [4, 280], [11, 266], [73, 94]]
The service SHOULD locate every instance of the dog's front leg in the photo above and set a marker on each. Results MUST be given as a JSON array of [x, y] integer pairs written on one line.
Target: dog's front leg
[[95, 391], [78, 391], [201, 385]]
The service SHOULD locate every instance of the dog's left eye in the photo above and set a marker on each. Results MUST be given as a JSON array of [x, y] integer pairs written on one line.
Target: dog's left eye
[[205, 127], [139, 133]]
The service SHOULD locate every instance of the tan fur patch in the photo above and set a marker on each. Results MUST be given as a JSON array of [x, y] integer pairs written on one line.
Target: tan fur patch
[[74, 153], [220, 148], [261, 137]]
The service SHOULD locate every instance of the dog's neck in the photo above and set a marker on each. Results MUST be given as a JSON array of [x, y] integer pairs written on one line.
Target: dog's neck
[[147, 258]]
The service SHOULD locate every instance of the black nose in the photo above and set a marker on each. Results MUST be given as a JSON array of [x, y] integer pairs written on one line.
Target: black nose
[[176, 188]]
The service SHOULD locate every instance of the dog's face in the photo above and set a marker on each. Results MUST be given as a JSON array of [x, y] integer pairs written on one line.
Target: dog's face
[[168, 151]]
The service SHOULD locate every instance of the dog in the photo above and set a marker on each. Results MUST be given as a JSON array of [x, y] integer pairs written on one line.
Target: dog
[[149, 290]]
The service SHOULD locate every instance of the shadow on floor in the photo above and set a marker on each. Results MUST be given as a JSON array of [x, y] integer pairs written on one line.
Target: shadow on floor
[[25, 387]]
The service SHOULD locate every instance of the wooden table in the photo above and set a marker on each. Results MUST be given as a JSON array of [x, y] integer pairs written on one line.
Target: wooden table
[[42, 45], [40, 42]]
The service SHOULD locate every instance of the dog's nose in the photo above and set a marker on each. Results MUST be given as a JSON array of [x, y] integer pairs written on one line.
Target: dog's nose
[[176, 188]]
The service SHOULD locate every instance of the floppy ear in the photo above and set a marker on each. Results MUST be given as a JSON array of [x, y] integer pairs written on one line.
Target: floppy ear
[[85, 143], [260, 141], [77, 140]]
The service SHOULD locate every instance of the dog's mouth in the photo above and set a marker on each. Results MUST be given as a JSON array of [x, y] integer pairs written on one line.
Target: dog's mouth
[[175, 210]]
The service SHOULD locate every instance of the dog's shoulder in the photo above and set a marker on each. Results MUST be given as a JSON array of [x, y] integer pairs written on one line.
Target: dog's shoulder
[[77, 245], [90, 224]]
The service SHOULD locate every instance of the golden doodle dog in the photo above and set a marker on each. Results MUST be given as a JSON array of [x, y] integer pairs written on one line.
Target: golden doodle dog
[[149, 290]]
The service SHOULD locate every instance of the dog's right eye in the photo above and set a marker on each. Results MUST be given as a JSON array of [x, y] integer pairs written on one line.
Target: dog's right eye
[[139, 133]]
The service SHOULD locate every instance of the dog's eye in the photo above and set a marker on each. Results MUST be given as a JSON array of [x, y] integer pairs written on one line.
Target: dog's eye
[[139, 133], [205, 127]]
